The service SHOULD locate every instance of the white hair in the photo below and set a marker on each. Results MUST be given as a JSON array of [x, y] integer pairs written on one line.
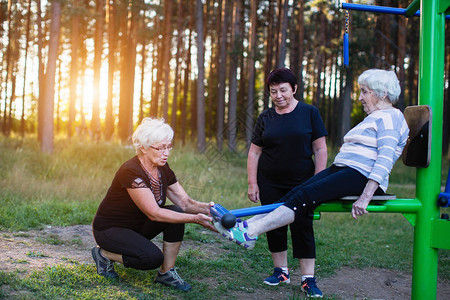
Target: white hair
[[151, 131], [382, 83]]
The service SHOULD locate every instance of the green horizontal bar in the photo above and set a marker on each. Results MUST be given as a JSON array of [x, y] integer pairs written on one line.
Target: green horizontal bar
[[316, 215], [388, 206], [443, 6], [439, 234]]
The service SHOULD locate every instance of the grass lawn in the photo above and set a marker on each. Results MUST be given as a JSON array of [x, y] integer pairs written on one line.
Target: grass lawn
[[64, 189]]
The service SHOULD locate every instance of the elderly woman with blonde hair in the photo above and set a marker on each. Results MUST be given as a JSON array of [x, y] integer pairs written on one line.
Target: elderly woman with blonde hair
[[134, 210]]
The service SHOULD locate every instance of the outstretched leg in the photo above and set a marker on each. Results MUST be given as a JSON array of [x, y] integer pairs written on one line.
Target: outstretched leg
[[327, 185], [279, 217]]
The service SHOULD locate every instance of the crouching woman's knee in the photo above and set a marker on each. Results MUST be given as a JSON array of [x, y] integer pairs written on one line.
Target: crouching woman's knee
[[149, 262]]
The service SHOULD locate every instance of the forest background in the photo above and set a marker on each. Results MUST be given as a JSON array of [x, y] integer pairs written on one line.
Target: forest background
[[94, 68]]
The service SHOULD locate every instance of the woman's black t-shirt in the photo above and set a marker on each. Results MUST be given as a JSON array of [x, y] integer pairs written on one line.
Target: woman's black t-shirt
[[286, 141], [117, 208]]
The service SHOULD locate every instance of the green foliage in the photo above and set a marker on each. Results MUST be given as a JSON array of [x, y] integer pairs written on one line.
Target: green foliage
[[357, 243], [212, 176], [36, 254], [62, 189]]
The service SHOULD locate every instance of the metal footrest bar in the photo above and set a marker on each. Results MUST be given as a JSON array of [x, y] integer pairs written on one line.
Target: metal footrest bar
[[388, 206]]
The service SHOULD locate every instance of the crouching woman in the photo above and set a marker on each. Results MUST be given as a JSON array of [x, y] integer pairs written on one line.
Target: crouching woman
[[134, 210]]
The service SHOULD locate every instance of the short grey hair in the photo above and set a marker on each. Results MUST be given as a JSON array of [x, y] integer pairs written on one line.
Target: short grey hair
[[149, 132], [382, 83]]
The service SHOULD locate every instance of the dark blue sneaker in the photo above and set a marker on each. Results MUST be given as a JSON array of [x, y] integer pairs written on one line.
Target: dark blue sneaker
[[310, 288], [105, 267], [277, 277], [171, 278]]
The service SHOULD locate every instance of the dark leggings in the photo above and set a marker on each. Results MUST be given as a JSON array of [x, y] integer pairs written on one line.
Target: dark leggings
[[330, 184], [138, 252]]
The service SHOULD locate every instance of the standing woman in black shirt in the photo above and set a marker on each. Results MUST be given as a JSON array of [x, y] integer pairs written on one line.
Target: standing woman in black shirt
[[134, 210], [285, 139]]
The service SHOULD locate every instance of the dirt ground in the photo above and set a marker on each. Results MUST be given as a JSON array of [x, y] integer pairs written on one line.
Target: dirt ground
[[37, 249]]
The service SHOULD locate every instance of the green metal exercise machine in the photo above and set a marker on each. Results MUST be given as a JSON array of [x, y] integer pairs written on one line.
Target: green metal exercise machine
[[430, 231]]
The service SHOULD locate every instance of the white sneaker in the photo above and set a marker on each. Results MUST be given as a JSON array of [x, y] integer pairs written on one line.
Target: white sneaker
[[237, 234]]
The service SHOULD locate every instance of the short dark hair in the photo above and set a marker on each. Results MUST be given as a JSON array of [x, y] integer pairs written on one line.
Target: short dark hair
[[281, 75]]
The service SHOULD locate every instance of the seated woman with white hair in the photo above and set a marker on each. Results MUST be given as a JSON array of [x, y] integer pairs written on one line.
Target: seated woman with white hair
[[134, 210], [361, 167]]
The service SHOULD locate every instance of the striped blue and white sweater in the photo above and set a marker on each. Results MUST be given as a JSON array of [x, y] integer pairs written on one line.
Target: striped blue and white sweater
[[373, 146]]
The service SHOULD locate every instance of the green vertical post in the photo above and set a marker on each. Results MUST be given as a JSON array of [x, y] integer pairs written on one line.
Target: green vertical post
[[431, 92]]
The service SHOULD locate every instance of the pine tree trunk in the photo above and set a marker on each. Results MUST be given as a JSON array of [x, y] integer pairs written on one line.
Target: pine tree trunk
[[98, 45], [209, 84], [4, 124], [346, 108], [187, 71], [75, 36], [13, 94], [213, 90], [177, 67], [141, 90], [167, 54], [282, 37], [222, 76], [128, 64], [83, 131], [301, 49], [401, 50], [269, 51], [277, 32], [155, 102], [58, 100], [41, 68], [201, 137], [236, 42], [27, 39], [109, 117], [413, 69], [319, 60], [47, 126], [249, 120]]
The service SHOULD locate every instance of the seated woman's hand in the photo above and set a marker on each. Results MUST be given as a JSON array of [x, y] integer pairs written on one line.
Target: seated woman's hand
[[359, 207]]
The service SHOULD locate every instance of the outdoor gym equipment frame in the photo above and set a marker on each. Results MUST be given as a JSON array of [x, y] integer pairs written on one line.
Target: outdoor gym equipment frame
[[430, 232]]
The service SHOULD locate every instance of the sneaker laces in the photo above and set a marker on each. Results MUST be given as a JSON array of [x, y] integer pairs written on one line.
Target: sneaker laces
[[241, 224], [175, 275], [277, 272], [310, 283], [109, 266]]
